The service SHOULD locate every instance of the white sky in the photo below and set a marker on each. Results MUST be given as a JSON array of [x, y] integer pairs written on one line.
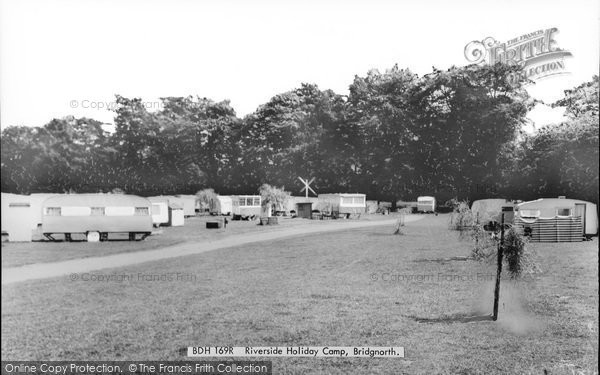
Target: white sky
[[58, 51]]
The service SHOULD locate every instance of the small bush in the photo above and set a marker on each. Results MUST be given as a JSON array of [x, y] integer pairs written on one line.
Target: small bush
[[462, 219], [208, 200], [519, 257], [273, 198], [485, 246]]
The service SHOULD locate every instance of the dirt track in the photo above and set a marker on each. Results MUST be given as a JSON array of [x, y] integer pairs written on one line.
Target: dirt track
[[48, 270]]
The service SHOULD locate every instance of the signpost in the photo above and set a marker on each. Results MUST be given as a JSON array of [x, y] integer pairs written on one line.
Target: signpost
[[499, 271], [307, 187]]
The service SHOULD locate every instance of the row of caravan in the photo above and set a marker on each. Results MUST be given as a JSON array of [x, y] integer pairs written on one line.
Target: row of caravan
[[248, 205], [26, 217], [95, 216]]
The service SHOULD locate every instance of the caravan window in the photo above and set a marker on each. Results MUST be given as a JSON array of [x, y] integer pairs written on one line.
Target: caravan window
[[249, 201], [98, 211], [75, 211], [141, 211], [19, 205], [359, 200], [119, 211], [52, 211], [346, 200], [563, 212], [530, 213]]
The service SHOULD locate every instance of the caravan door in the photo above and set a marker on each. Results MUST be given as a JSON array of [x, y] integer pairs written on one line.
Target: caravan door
[[580, 212]]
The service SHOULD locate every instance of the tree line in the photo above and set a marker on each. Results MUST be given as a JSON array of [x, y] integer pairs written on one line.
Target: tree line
[[457, 133]]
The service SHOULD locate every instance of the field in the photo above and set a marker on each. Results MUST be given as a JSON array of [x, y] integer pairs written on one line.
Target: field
[[364, 287]]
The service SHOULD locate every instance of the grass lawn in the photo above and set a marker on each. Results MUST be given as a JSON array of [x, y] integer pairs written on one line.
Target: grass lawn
[[331, 289], [18, 254]]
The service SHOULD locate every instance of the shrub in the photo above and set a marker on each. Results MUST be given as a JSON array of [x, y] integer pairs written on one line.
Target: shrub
[[273, 198], [485, 246], [519, 257], [462, 219], [208, 199]]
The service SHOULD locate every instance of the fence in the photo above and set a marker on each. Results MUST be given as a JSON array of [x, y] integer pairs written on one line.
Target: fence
[[556, 229]]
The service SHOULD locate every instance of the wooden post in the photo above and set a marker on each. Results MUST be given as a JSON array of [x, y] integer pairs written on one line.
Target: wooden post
[[477, 236], [499, 271]]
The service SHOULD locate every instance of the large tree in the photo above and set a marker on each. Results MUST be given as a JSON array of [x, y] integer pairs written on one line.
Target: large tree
[[444, 134], [562, 159]]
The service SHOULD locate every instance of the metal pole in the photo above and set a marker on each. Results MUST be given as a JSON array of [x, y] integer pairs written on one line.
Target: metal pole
[[499, 271]]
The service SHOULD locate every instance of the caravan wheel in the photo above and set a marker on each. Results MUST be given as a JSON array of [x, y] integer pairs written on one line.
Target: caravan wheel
[[93, 236]]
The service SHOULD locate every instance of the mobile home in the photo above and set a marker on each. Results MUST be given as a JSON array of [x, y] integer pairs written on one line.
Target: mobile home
[[343, 203], [426, 204], [555, 212], [96, 216], [246, 205]]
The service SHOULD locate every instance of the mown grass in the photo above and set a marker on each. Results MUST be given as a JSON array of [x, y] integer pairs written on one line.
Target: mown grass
[[321, 290]]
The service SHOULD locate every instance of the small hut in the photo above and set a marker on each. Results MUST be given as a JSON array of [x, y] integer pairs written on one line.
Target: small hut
[[176, 215]]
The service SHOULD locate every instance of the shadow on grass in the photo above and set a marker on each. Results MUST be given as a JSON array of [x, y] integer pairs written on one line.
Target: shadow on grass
[[457, 318], [382, 234], [77, 241], [443, 260]]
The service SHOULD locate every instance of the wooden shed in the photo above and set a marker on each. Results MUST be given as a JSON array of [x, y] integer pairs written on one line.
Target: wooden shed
[[176, 215], [304, 210], [293, 202]]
